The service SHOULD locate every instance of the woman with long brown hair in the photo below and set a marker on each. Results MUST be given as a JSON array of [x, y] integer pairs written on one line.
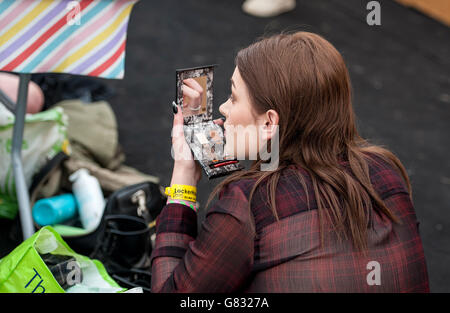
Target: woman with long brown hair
[[334, 215]]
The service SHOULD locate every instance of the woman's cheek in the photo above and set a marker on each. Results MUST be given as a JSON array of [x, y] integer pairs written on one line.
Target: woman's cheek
[[234, 146], [230, 143]]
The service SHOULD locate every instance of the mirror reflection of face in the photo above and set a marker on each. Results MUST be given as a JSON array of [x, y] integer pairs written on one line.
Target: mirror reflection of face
[[194, 96]]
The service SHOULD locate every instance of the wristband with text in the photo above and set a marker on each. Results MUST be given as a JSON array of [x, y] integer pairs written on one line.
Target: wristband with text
[[182, 192]]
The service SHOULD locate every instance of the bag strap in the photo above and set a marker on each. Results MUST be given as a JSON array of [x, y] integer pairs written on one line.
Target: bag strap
[[44, 173]]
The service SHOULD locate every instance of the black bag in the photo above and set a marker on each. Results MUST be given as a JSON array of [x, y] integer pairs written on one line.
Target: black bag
[[143, 200], [124, 240]]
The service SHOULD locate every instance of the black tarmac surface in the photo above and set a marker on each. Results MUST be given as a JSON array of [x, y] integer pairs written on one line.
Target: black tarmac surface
[[400, 73]]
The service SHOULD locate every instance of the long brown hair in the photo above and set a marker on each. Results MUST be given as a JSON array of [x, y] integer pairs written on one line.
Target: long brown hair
[[304, 79]]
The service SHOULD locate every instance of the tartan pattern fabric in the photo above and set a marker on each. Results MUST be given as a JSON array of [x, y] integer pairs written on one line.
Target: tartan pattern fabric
[[241, 250]]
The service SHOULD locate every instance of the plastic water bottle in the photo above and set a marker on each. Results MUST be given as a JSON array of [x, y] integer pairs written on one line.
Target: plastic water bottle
[[88, 193]]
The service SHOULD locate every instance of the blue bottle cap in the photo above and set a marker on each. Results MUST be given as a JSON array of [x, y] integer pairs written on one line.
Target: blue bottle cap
[[54, 210], [43, 213]]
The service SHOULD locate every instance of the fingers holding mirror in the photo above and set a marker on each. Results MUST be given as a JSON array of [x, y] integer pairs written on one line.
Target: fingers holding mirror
[[194, 95]]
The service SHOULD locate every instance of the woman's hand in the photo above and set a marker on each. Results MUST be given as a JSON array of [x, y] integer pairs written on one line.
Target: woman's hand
[[186, 170], [192, 95]]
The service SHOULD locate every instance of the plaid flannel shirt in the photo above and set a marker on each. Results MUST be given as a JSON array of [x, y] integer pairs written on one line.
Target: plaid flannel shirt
[[241, 250]]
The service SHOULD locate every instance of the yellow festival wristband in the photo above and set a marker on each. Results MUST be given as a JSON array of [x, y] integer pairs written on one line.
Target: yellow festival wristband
[[182, 192]]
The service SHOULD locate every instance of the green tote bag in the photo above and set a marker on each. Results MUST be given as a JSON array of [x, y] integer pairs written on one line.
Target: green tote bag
[[24, 269]]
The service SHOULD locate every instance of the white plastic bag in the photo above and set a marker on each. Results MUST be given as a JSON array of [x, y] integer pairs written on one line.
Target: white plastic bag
[[45, 135]]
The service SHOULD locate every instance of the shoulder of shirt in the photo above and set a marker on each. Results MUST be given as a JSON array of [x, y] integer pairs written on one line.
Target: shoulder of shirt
[[242, 185], [233, 199], [385, 177]]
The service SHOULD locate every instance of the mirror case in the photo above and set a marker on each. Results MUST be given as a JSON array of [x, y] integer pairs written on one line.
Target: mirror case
[[204, 137]]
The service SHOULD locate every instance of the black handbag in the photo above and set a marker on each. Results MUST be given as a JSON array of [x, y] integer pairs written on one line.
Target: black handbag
[[124, 237], [143, 201]]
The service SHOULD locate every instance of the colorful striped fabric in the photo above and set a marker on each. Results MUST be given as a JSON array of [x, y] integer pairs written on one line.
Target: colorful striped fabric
[[84, 37]]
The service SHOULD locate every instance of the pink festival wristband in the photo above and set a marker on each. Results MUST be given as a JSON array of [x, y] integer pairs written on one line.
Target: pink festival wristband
[[189, 204]]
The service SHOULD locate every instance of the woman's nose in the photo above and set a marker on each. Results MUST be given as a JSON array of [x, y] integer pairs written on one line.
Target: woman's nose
[[222, 108]]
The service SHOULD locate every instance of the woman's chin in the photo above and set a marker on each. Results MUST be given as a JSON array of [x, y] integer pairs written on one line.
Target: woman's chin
[[229, 152]]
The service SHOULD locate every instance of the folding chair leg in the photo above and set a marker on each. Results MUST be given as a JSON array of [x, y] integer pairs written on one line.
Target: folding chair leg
[[7, 101], [23, 197]]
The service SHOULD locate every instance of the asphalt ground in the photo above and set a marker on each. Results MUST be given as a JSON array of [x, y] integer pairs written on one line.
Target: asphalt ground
[[399, 70]]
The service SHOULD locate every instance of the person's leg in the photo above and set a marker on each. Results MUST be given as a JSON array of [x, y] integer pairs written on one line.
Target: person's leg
[[267, 8], [9, 84]]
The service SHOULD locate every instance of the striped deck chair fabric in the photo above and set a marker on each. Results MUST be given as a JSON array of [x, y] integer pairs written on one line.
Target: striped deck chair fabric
[[85, 37]]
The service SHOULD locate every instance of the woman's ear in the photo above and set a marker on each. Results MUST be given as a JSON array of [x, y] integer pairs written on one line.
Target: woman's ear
[[270, 127]]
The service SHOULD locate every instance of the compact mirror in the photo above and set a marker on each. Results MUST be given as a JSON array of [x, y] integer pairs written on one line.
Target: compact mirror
[[204, 137]]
